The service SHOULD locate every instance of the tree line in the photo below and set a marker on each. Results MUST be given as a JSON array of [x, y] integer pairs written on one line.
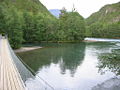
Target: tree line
[[29, 27], [102, 30], [24, 26], [105, 23]]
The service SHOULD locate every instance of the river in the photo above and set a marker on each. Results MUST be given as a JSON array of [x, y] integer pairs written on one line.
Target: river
[[72, 66]]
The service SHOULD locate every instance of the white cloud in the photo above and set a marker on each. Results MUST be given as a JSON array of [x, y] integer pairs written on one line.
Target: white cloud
[[84, 7]]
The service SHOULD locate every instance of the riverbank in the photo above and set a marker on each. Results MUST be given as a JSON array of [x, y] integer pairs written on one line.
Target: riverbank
[[25, 49]]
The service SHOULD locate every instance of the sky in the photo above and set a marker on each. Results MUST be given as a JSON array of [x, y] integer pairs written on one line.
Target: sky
[[84, 7]]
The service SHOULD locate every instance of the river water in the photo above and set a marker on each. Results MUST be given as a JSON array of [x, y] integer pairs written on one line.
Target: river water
[[73, 66]]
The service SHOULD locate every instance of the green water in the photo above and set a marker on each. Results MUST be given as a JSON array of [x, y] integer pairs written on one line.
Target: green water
[[73, 66]]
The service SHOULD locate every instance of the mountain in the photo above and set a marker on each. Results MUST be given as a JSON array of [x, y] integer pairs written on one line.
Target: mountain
[[24, 21], [105, 23], [55, 12], [108, 14], [26, 5]]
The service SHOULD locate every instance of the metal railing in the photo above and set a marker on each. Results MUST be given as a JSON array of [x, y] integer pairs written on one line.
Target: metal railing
[[26, 72]]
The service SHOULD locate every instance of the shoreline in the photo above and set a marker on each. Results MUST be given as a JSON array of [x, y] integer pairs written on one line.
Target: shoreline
[[25, 49]]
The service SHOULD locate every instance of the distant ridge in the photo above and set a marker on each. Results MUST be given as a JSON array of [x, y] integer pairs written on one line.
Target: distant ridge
[[55, 12], [34, 6], [108, 14], [105, 23]]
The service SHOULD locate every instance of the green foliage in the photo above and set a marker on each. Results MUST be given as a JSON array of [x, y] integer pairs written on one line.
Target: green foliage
[[29, 22], [105, 23], [14, 25], [100, 30], [27, 5], [110, 61], [40, 27], [108, 14], [2, 19], [112, 30], [29, 27], [18, 20], [11, 24], [72, 26]]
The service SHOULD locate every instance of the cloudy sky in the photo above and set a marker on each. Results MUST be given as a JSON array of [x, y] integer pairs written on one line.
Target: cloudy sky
[[84, 7]]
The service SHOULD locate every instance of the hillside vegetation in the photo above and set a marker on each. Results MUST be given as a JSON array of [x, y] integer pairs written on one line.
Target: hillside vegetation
[[14, 15], [26, 5], [28, 21], [105, 23]]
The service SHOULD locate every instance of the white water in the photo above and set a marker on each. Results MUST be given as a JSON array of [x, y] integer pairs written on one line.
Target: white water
[[102, 39]]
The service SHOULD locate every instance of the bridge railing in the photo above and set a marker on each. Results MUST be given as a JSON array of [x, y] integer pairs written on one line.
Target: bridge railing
[[27, 74], [24, 72]]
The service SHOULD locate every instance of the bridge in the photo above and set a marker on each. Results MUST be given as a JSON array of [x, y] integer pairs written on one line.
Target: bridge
[[13, 72]]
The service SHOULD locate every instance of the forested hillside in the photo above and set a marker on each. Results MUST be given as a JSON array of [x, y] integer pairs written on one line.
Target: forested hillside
[[105, 23], [26, 5], [17, 17], [28, 21]]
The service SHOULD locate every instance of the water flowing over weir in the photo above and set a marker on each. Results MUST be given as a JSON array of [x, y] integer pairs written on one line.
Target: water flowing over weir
[[75, 66], [102, 39], [27, 76], [24, 72]]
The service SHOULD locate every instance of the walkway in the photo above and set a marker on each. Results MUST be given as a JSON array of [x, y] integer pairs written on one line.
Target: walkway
[[10, 78]]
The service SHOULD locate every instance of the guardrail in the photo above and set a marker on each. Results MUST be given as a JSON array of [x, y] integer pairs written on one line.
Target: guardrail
[[25, 71]]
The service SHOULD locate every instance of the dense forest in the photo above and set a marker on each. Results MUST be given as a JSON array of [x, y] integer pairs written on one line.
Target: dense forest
[[105, 23], [28, 21]]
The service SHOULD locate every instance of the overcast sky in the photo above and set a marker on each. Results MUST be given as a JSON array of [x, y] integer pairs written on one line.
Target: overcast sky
[[84, 7]]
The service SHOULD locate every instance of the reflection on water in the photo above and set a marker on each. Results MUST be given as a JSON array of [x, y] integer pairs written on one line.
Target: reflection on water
[[68, 56], [111, 84], [68, 66], [110, 62]]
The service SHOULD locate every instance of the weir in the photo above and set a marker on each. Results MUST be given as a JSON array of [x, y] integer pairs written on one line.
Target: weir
[[102, 40], [13, 72]]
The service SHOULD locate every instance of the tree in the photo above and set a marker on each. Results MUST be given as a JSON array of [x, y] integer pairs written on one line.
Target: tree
[[2, 19], [72, 25], [29, 27], [14, 23], [11, 24]]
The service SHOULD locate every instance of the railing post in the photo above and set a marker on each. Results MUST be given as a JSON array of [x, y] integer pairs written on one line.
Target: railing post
[[6, 36], [0, 36]]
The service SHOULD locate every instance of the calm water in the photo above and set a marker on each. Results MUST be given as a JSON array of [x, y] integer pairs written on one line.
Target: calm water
[[72, 66]]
